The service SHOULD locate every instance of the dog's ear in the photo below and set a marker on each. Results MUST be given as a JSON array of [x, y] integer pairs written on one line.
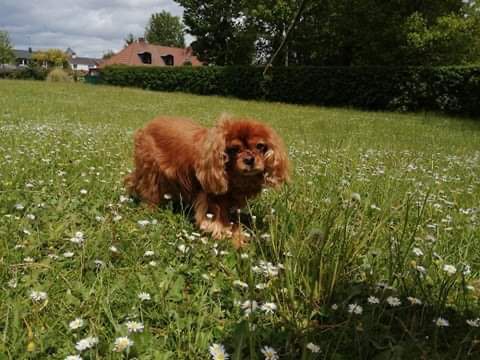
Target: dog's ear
[[210, 167], [276, 162]]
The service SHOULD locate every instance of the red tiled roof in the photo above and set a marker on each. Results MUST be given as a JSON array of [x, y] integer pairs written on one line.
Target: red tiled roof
[[130, 55]]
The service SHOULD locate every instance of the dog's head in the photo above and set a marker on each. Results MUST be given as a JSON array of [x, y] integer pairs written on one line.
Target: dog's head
[[241, 148]]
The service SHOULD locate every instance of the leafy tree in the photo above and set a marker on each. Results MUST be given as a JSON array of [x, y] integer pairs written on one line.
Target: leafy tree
[[51, 57], [108, 55], [130, 39], [165, 29], [6, 50], [225, 35]]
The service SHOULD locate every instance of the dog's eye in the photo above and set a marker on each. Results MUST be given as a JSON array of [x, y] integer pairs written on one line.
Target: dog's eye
[[232, 151], [262, 147]]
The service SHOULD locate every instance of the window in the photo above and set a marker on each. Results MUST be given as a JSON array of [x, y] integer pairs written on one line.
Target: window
[[146, 57], [168, 60]]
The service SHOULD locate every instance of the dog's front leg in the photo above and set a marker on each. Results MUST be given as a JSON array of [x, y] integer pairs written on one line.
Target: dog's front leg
[[211, 215]]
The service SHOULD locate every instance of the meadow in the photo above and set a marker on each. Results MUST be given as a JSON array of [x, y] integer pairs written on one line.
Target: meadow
[[371, 252]]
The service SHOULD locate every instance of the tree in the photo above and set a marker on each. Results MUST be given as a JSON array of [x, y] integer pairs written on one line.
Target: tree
[[51, 57], [130, 39], [6, 50], [165, 29], [108, 55], [225, 35]]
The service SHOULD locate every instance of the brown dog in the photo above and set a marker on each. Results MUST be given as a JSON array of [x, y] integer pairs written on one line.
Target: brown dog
[[215, 170]]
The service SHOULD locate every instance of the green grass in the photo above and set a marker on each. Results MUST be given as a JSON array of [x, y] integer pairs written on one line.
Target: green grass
[[374, 198]]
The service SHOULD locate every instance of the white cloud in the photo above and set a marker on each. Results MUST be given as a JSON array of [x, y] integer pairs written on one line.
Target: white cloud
[[90, 27]]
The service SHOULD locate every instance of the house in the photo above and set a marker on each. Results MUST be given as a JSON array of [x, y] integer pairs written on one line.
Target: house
[[81, 63], [23, 57], [142, 53]]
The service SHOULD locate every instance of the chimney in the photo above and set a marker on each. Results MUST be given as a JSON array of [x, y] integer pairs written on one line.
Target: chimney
[[30, 50]]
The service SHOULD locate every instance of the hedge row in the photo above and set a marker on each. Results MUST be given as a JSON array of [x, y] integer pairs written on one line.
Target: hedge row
[[447, 89], [24, 73]]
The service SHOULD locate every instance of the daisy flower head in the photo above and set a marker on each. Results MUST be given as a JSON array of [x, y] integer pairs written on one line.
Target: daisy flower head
[[441, 322], [414, 300], [417, 251], [313, 347], [73, 357], [249, 306], [38, 296], [134, 326], [241, 284], [393, 301], [218, 352], [355, 309], [474, 323], [269, 353], [144, 296], [269, 307], [373, 300], [122, 343], [78, 238], [76, 324], [86, 343], [449, 269]]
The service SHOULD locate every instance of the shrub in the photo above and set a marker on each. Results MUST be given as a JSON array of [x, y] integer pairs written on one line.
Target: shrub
[[32, 72], [446, 89], [58, 75]]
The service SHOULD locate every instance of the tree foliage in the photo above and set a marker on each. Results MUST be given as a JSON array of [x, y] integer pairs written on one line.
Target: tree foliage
[[165, 29], [130, 39], [336, 32], [51, 57], [6, 49]]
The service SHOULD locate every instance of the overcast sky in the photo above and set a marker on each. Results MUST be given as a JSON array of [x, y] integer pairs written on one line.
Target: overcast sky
[[89, 27]]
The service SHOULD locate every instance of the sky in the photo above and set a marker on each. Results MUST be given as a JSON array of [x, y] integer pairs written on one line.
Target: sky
[[90, 27]]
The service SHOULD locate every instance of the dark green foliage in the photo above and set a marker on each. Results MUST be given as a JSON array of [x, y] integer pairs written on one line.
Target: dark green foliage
[[453, 90], [165, 29], [31, 72]]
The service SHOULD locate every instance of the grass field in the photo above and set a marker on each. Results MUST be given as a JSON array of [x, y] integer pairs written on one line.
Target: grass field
[[372, 252]]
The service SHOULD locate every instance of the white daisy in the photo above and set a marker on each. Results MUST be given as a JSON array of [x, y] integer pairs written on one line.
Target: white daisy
[[149, 253], [414, 301], [76, 324], [143, 223], [269, 307], [449, 269], [241, 284], [441, 322], [122, 343], [144, 296], [73, 357], [417, 251], [355, 309], [373, 300], [83, 192], [218, 352], [134, 326], [86, 343], [313, 347], [38, 296], [68, 254], [393, 301], [269, 353], [249, 306], [474, 323]]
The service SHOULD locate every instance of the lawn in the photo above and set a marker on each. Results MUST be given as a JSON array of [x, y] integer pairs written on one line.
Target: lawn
[[372, 251]]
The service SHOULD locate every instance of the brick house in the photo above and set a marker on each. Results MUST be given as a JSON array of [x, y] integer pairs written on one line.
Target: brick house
[[142, 53]]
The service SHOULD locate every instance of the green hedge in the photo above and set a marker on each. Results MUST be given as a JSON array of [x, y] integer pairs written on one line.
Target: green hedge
[[25, 73], [448, 89]]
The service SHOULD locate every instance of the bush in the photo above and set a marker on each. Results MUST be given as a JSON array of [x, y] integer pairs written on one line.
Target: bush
[[453, 90], [58, 75], [32, 72]]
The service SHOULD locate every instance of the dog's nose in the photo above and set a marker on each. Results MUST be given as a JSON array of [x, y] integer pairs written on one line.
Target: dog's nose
[[249, 160]]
